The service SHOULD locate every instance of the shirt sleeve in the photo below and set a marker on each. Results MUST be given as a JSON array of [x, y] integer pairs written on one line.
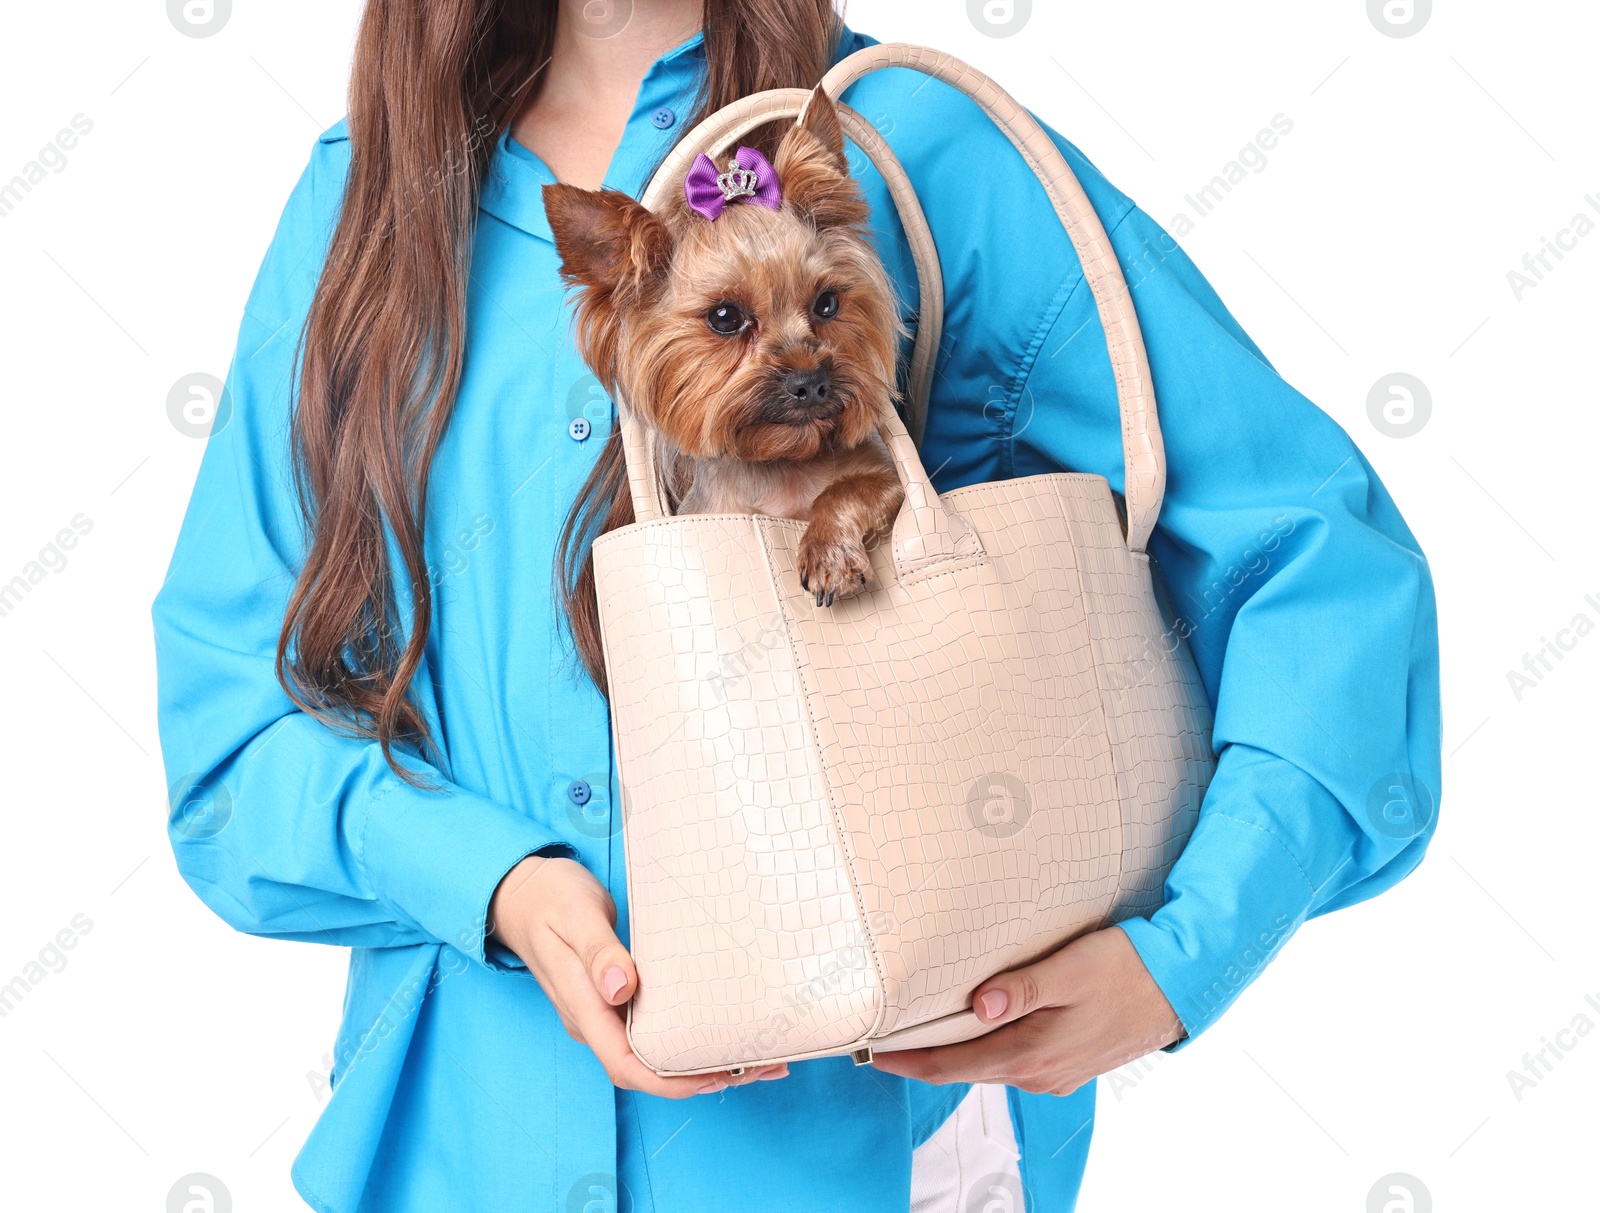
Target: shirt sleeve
[[1306, 602], [281, 825], [1304, 598]]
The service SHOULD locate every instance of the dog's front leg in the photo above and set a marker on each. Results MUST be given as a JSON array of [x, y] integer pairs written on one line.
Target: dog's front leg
[[847, 515]]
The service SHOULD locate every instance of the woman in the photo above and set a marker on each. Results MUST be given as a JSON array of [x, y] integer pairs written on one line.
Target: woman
[[361, 657]]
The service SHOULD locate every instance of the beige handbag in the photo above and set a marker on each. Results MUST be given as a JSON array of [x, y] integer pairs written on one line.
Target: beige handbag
[[839, 821]]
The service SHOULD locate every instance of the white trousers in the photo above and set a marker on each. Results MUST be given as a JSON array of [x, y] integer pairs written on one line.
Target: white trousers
[[969, 1165]]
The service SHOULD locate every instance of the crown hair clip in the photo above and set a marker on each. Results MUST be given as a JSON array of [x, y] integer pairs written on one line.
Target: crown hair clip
[[750, 176], [737, 182]]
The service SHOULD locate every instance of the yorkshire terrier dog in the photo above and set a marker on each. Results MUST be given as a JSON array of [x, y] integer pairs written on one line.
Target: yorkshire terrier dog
[[753, 328]]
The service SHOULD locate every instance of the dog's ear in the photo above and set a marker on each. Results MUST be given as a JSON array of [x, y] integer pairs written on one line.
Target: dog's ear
[[812, 169], [615, 254], [608, 243]]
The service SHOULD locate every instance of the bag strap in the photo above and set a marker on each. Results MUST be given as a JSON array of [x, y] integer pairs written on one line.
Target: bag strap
[[946, 537], [1144, 457]]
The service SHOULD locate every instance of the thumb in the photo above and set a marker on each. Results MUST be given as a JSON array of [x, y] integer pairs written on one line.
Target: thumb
[[588, 932], [1009, 996]]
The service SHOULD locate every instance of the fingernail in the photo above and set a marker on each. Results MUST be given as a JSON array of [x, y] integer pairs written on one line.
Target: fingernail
[[993, 1003], [613, 981], [711, 1088], [781, 1072]]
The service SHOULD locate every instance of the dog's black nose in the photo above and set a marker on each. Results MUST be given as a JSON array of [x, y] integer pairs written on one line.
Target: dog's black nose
[[807, 387]]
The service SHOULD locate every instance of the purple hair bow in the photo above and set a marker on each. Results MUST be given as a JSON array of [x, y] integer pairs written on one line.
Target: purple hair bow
[[749, 176]]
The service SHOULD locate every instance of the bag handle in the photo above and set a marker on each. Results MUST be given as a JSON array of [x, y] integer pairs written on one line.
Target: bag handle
[[1143, 455], [945, 536]]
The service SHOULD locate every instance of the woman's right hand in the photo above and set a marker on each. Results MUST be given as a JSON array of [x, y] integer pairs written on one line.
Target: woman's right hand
[[559, 919]]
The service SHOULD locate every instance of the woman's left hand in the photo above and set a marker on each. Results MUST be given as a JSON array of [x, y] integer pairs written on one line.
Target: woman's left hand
[[1070, 1017]]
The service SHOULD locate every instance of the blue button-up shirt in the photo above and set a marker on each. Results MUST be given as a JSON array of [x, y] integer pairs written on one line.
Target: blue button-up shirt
[[1306, 600]]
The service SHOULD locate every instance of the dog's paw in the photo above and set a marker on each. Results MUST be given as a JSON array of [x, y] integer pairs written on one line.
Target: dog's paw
[[832, 568]]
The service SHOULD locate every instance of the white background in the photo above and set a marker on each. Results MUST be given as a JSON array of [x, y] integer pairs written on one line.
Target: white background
[[1378, 239]]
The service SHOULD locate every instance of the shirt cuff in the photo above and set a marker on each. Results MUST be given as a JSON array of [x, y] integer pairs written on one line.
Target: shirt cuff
[[438, 855], [1240, 890]]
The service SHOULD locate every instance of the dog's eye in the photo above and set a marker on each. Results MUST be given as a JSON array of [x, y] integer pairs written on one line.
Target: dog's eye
[[826, 306], [727, 319]]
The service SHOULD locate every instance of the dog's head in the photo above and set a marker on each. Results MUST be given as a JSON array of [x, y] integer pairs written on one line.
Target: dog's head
[[762, 334]]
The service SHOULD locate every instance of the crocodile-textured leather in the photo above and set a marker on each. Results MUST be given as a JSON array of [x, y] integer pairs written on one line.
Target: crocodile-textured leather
[[839, 821]]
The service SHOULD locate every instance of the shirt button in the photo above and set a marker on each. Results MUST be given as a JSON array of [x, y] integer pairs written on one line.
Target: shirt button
[[663, 118], [578, 427], [579, 792]]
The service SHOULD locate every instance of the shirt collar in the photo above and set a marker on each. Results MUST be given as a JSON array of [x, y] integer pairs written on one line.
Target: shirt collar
[[514, 182]]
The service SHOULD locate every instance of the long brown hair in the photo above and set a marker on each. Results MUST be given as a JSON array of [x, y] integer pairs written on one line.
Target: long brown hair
[[432, 85]]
